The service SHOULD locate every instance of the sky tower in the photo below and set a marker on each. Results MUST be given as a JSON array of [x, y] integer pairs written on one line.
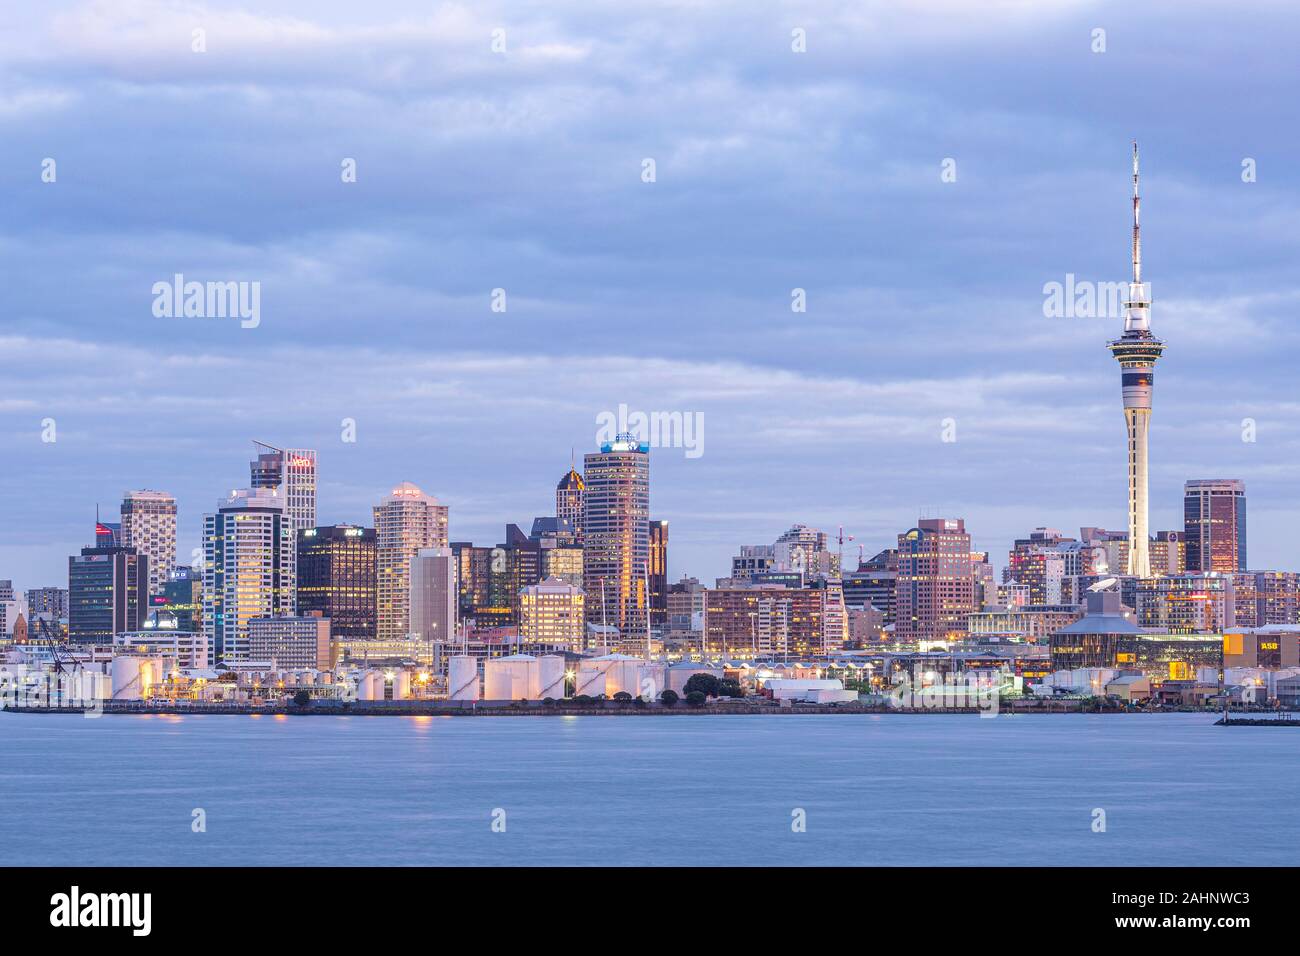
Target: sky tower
[[1136, 351]]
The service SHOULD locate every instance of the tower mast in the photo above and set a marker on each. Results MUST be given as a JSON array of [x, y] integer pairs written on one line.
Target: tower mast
[[1136, 351]]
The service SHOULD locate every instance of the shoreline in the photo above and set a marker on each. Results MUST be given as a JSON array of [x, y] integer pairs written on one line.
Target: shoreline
[[503, 709]]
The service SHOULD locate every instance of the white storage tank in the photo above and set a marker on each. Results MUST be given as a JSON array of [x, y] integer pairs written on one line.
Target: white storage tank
[[591, 677], [510, 678], [133, 676], [550, 675], [371, 686], [621, 673], [402, 685], [462, 679]]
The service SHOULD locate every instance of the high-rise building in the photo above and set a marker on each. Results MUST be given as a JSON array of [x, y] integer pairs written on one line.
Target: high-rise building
[[658, 573], [551, 613], [433, 596], [149, 526], [754, 559], [52, 601], [1194, 603], [1214, 524], [874, 583], [249, 568], [483, 585], [1266, 598], [771, 620], [406, 520], [182, 597], [336, 576], [616, 536], [1137, 351], [936, 584], [291, 472], [108, 593], [568, 500]]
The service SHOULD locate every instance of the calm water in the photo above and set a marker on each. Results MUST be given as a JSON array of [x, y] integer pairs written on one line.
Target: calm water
[[647, 790]]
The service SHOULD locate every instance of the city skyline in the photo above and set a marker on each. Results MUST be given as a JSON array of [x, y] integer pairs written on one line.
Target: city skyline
[[830, 417]]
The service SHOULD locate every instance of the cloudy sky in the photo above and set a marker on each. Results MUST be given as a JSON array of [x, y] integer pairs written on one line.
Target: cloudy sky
[[522, 170]]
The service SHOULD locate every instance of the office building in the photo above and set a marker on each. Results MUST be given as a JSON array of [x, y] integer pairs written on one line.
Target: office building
[[406, 520], [291, 642], [249, 569], [292, 473], [1187, 603], [336, 576], [552, 615], [658, 573], [936, 586], [616, 536], [149, 526], [182, 597], [108, 592], [1214, 525], [1266, 598], [163, 636], [433, 596], [568, 501]]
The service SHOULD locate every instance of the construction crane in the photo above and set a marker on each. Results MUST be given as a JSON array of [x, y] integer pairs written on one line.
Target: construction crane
[[841, 538]]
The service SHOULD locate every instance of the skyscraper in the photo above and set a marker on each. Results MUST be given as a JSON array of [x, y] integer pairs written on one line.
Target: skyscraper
[[568, 500], [292, 472], [336, 576], [249, 568], [1136, 351], [107, 593], [433, 595], [1214, 524], [149, 526], [616, 535], [658, 573], [406, 520], [936, 584]]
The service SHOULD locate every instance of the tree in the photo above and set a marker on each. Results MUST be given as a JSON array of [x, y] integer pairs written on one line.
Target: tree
[[302, 698], [729, 688], [696, 699], [669, 698], [706, 684]]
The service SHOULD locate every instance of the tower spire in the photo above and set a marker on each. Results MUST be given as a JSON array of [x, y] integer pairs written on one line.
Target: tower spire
[[1137, 235], [1138, 306]]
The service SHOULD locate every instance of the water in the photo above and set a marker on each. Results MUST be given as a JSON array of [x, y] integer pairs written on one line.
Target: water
[[876, 790]]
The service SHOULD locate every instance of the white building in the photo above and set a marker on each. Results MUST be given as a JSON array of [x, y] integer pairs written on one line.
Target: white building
[[292, 473], [249, 568], [291, 642], [161, 638], [552, 612], [149, 526]]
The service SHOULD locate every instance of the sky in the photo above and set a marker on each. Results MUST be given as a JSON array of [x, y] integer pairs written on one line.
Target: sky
[[922, 170]]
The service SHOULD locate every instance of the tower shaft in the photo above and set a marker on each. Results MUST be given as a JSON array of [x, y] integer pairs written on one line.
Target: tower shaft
[[1137, 351]]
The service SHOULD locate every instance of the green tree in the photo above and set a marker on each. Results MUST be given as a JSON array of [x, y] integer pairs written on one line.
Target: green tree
[[696, 698], [302, 698], [706, 684], [669, 698]]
